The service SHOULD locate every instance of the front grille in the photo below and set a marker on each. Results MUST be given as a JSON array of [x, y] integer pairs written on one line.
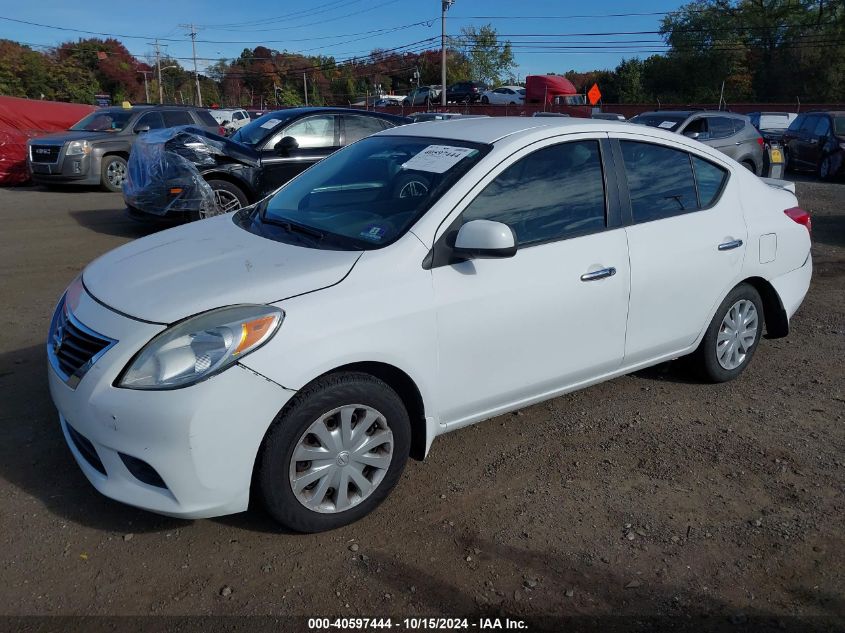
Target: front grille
[[44, 153], [72, 348], [86, 449]]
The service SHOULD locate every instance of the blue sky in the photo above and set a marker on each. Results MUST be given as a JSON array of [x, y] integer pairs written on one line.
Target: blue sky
[[548, 35]]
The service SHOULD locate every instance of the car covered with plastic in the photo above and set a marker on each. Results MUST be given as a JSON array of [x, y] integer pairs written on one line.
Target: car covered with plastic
[[189, 173]]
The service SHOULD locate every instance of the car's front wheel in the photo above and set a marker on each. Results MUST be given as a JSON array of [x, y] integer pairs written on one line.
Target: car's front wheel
[[227, 197], [732, 336], [334, 453], [113, 173]]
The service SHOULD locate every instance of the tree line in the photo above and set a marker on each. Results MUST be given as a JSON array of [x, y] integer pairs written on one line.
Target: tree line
[[736, 50]]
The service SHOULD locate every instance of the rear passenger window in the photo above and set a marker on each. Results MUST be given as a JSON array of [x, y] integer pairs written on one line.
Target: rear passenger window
[[721, 127], [358, 127], [660, 181], [710, 180], [554, 193], [173, 118], [206, 118], [739, 125]]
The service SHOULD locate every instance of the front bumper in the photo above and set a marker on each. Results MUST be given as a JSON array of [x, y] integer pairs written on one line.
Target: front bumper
[[81, 169], [199, 442]]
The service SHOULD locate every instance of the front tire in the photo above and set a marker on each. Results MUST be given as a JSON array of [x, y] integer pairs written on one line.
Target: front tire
[[334, 453], [824, 169], [732, 336], [113, 173], [227, 197]]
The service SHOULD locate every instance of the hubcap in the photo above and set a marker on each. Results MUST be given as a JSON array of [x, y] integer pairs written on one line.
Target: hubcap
[[224, 201], [341, 458], [116, 173], [737, 334]]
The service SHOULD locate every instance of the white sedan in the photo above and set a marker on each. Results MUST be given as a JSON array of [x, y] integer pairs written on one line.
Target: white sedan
[[504, 95], [420, 280]]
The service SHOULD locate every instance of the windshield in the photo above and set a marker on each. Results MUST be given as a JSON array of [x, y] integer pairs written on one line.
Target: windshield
[[104, 121], [656, 119], [370, 193], [839, 125], [258, 129]]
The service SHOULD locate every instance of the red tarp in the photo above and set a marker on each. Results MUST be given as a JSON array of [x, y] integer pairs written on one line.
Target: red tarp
[[22, 119], [540, 88]]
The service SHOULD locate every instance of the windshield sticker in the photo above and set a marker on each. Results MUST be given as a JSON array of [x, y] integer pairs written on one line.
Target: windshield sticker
[[438, 158], [374, 232], [667, 125], [270, 123]]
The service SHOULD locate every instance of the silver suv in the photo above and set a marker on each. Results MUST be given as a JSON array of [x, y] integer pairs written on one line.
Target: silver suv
[[730, 133]]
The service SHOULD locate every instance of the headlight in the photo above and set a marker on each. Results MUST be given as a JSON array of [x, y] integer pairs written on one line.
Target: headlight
[[200, 347], [75, 148]]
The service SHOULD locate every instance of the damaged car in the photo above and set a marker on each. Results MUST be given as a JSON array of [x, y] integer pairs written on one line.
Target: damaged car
[[186, 173]]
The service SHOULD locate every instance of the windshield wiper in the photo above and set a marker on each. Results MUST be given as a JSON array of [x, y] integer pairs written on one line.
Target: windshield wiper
[[293, 227]]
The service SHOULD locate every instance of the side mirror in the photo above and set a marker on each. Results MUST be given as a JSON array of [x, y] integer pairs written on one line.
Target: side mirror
[[142, 128], [485, 239], [286, 145], [692, 135]]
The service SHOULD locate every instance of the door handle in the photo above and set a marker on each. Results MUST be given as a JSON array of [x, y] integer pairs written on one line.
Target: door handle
[[727, 246], [738, 143], [598, 274]]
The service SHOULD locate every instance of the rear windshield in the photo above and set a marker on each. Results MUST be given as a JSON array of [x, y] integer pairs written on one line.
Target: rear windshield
[[104, 121], [656, 119], [369, 194], [259, 129]]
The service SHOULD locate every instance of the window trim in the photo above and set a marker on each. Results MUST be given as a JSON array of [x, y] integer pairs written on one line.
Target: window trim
[[622, 177], [441, 253]]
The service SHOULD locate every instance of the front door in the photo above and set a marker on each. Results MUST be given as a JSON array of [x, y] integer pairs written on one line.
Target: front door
[[517, 329], [317, 136]]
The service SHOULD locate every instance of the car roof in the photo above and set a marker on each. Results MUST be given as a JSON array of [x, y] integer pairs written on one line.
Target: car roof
[[491, 129]]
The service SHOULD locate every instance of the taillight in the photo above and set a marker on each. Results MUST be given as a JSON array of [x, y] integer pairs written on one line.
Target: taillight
[[221, 130], [760, 141], [802, 217]]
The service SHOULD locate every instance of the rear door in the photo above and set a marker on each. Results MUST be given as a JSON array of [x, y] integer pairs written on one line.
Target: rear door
[[805, 152], [317, 136], [818, 139], [686, 240]]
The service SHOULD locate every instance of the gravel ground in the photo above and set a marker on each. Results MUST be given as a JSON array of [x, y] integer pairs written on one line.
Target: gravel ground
[[648, 495]]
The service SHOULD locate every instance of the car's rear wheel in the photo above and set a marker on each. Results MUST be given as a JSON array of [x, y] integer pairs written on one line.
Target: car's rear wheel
[[732, 336], [750, 166], [334, 454], [227, 197], [113, 173], [485, 100]]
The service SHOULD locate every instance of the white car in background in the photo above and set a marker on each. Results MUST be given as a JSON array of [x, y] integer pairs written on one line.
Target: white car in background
[[422, 279], [232, 119], [504, 95]]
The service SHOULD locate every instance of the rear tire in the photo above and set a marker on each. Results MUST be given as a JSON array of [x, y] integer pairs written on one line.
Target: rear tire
[[113, 173], [750, 166], [313, 424], [732, 336]]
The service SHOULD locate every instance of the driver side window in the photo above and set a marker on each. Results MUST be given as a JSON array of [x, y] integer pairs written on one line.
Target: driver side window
[[313, 131], [554, 193]]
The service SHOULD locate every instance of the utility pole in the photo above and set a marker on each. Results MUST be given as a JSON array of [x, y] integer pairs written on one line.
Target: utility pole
[[444, 6], [305, 87], [192, 32], [158, 72], [146, 87]]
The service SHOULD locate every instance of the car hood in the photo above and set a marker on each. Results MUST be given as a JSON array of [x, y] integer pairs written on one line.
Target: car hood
[[74, 135], [208, 264]]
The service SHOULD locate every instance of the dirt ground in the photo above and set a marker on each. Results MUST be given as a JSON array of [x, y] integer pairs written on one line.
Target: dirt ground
[[650, 495]]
